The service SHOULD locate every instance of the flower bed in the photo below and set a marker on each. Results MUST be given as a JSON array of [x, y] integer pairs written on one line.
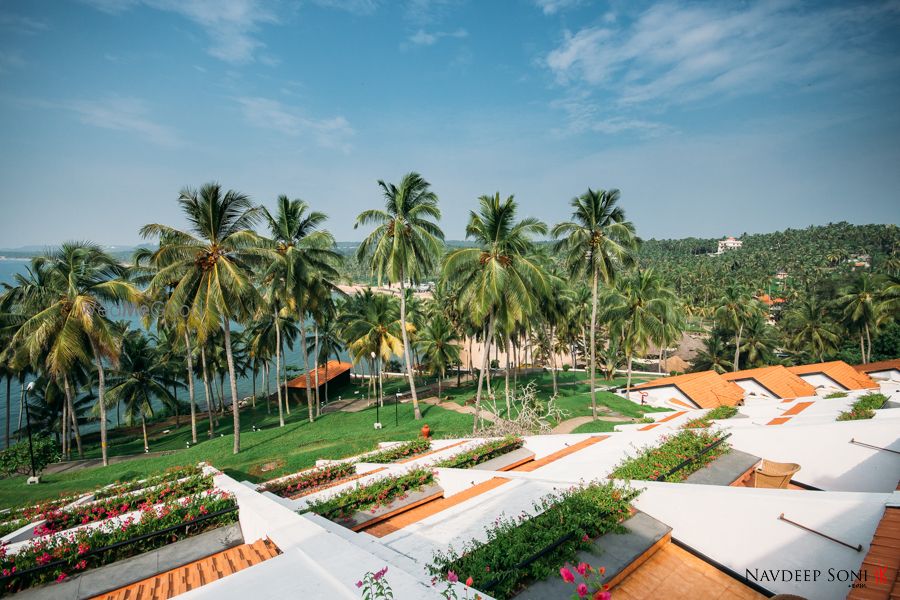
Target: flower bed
[[378, 493], [58, 520], [173, 474], [20, 516], [54, 558], [404, 450], [704, 422], [863, 408], [309, 480], [655, 462], [482, 453], [531, 548]]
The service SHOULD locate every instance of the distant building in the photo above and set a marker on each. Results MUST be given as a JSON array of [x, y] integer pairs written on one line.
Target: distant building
[[729, 243], [781, 275]]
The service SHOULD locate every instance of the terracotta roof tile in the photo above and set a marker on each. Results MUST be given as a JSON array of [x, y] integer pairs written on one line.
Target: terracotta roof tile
[[882, 365], [335, 368], [706, 389], [882, 562], [840, 372], [776, 379]]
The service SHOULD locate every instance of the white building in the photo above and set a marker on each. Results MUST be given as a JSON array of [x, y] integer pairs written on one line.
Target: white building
[[729, 243]]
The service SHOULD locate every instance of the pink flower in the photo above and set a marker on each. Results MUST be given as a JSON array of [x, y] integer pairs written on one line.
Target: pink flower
[[61, 577], [469, 582], [583, 568], [452, 577], [582, 590], [567, 575], [585, 538], [603, 596], [359, 584]]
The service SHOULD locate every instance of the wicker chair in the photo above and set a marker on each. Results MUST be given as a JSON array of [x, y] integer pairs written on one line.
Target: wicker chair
[[771, 474]]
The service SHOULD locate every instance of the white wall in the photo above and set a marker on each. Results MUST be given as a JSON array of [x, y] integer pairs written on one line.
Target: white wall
[[820, 380], [753, 388]]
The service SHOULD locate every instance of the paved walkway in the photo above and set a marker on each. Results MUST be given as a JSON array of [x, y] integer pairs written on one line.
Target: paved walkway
[[570, 425], [466, 410]]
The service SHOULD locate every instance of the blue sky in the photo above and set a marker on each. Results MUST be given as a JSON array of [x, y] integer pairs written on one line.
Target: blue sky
[[712, 118]]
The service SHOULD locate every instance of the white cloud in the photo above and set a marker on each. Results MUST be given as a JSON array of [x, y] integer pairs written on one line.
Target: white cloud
[[126, 114], [356, 7], [672, 53], [585, 115], [554, 6], [423, 12], [424, 38], [231, 25], [333, 132], [10, 61], [21, 24]]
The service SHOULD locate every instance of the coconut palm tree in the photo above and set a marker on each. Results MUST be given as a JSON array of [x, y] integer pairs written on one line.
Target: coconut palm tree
[[68, 322], [212, 263], [861, 311], [307, 261], [714, 355], [809, 327], [328, 341], [498, 272], [438, 343], [735, 308], [404, 246], [596, 243], [139, 378]]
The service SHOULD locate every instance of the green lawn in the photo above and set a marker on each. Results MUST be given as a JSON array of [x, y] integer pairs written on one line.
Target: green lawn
[[298, 445], [596, 427]]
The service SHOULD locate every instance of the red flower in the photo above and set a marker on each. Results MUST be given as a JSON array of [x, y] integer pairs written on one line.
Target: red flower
[[469, 582], [567, 575]]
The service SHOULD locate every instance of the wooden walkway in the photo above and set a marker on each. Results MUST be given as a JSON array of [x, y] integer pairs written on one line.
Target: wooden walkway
[[193, 575]]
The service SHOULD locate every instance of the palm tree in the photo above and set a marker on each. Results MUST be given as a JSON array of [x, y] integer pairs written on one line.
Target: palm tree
[[139, 379], [637, 309], [307, 257], [438, 342], [597, 242], [212, 262], [810, 328], [404, 245], [328, 341], [499, 271], [860, 304], [735, 308], [69, 323], [760, 342], [713, 357]]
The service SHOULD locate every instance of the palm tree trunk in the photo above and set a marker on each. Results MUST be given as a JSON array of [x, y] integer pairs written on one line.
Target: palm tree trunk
[[209, 400], [144, 429], [737, 347], [254, 384], [316, 366], [190, 379], [101, 392], [282, 385], [226, 326], [265, 375], [628, 381], [309, 398], [21, 404], [439, 388], [868, 357], [508, 405], [74, 419], [553, 362], [594, 344], [8, 410], [406, 352], [484, 365], [278, 369], [326, 380]]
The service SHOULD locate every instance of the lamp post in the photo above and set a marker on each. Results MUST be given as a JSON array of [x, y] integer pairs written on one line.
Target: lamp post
[[377, 396], [34, 477], [396, 402]]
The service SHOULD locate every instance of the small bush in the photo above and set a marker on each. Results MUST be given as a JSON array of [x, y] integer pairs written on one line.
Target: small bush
[[836, 395], [863, 408], [404, 450], [378, 493], [482, 453], [16, 460], [309, 480], [654, 462]]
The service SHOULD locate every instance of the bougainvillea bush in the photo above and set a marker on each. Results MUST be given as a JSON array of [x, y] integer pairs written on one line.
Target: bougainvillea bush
[[19, 516], [399, 452], [64, 555], [575, 517], [59, 520], [172, 474], [656, 461], [308, 481], [482, 453], [373, 495]]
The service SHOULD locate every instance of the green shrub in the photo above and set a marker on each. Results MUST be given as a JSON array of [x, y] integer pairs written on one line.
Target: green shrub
[[646, 420], [863, 408], [654, 462], [836, 395], [482, 453], [404, 450], [309, 480], [722, 412], [566, 368], [578, 514], [16, 460], [372, 495]]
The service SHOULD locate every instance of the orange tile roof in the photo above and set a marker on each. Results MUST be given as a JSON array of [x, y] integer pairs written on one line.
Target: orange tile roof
[[840, 372], [882, 563], [335, 368], [776, 379], [193, 575], [798, 408], [706, 389], [882, 365]]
